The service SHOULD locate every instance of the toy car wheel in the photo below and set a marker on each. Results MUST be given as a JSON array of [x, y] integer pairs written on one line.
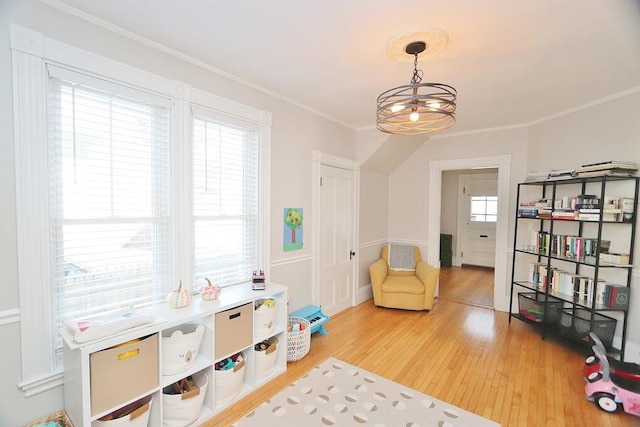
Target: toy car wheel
[[594, 376], [591, 360], [606, 402]]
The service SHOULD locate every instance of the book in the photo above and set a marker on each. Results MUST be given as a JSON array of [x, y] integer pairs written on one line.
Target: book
[[609, 164], [613, 258], [618, 298]]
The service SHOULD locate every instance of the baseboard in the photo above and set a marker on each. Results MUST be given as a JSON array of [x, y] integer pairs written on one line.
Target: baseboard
[[363, 294]]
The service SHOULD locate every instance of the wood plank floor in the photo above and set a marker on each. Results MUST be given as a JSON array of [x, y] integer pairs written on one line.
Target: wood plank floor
[[467, 284], [466, 355]]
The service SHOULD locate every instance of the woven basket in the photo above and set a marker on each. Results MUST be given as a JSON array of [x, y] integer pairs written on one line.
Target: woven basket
[[298, 343], [59, 417]]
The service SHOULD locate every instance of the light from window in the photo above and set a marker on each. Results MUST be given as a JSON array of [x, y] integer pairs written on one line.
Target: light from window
[[109, 200], [225, 201], [484, 209]]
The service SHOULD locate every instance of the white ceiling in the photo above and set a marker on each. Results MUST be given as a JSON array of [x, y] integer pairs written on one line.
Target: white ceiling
[[512, 62]]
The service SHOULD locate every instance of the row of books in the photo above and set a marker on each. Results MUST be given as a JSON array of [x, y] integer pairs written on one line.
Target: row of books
[[566, 246], [605, 168], [581, 288]]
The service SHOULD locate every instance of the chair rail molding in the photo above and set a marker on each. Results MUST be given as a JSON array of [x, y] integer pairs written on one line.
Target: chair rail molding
[[10, 316]]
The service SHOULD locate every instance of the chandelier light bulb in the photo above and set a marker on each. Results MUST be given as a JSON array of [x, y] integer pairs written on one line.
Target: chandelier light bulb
[[397, 107], [414, 117], [434, 105]]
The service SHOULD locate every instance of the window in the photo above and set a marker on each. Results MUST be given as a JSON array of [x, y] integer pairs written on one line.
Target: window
[[484, 208], [225, 199], [126, 183], [109, 198]]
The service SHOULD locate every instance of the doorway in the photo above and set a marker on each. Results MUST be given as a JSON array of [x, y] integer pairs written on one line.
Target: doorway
[[503, 164]]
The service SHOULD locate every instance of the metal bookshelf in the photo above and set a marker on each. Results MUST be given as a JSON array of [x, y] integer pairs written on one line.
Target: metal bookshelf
[[540, 302]]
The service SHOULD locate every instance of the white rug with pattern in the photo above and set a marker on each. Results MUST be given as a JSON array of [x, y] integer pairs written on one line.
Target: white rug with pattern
[[339, 394]]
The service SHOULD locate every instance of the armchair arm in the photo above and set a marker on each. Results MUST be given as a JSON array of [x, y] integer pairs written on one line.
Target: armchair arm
[[378, 271], [428, 275]]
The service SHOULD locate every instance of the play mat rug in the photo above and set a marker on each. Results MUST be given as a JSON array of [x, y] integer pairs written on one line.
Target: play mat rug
[[336, 393]]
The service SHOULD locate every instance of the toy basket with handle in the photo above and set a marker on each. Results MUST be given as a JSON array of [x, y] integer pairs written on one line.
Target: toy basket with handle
[[298, 342]]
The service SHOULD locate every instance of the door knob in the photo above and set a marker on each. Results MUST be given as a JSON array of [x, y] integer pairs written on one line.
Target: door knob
[[351, 254]]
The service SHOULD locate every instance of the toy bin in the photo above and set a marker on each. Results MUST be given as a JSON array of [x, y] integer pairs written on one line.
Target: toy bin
[[180, 347], [264, 356], [112, 369], [532, 304], [265, 316], [233, 330], [298, 338], [229, 375], [135, 414], [576, 327], [182, 401]]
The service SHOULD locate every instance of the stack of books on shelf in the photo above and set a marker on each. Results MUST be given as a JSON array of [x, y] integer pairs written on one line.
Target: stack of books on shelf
[[583, 207], [549, 175], [607, 168]]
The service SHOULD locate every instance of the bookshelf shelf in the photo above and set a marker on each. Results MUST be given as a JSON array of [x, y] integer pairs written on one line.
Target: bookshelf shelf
[[565, 230]]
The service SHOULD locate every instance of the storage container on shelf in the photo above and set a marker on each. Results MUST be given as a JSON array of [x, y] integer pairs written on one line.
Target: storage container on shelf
[[264, 356], [181, 409], [265, 316], [135, 414], [180, 346], [228, 382]]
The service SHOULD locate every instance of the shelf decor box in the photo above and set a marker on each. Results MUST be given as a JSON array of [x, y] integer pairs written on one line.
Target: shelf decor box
[[576, 327], [112, 370], [184, 408], [531, 306], [233, 330], [180, 348]]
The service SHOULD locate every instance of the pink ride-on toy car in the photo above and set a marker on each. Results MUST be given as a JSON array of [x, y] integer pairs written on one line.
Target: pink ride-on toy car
[[611, 392], [622, 369]]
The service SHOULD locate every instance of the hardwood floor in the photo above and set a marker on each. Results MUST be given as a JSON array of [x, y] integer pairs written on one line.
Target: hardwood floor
[[468, 284], [466, 355]]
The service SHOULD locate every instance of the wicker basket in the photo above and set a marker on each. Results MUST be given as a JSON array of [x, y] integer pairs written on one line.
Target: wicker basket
[[60, 418], [298, 342]]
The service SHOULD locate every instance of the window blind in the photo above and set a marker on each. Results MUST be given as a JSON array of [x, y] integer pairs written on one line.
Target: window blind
[[225, 198], [109, 197]]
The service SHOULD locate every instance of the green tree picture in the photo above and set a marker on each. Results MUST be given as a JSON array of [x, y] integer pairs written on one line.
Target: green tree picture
[[293, 219]]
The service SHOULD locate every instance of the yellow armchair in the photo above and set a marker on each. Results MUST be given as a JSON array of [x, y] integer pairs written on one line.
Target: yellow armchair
[[409, 290]]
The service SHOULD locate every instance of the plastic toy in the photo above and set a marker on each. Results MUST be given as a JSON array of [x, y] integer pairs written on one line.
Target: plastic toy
[[622, 369], [610, 391]]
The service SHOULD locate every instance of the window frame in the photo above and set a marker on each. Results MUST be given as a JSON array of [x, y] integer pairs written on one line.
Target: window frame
[[31, 53]]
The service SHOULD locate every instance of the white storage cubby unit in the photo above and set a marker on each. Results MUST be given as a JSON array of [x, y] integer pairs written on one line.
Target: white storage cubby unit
[[91, 392]]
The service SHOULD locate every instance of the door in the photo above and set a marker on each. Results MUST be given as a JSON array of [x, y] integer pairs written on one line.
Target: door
[[336, 234], [479, 214]]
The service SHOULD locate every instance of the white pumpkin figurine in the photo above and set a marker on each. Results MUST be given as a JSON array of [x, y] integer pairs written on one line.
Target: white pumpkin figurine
[[210, 292], [179, 298]]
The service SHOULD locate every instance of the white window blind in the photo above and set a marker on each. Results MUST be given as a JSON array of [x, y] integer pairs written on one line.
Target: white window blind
[[109, 197], [225, 198]]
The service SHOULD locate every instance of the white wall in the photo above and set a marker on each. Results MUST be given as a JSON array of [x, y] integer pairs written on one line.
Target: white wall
[[295, 133]]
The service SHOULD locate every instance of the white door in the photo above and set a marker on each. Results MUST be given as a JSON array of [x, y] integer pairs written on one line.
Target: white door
[[336, 253], [479, 214]]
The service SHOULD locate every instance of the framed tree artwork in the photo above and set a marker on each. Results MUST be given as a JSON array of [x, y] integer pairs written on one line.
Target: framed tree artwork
[[293, 229]]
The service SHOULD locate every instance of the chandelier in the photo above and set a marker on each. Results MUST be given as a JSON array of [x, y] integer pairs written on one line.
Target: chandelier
[[416, 108]]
